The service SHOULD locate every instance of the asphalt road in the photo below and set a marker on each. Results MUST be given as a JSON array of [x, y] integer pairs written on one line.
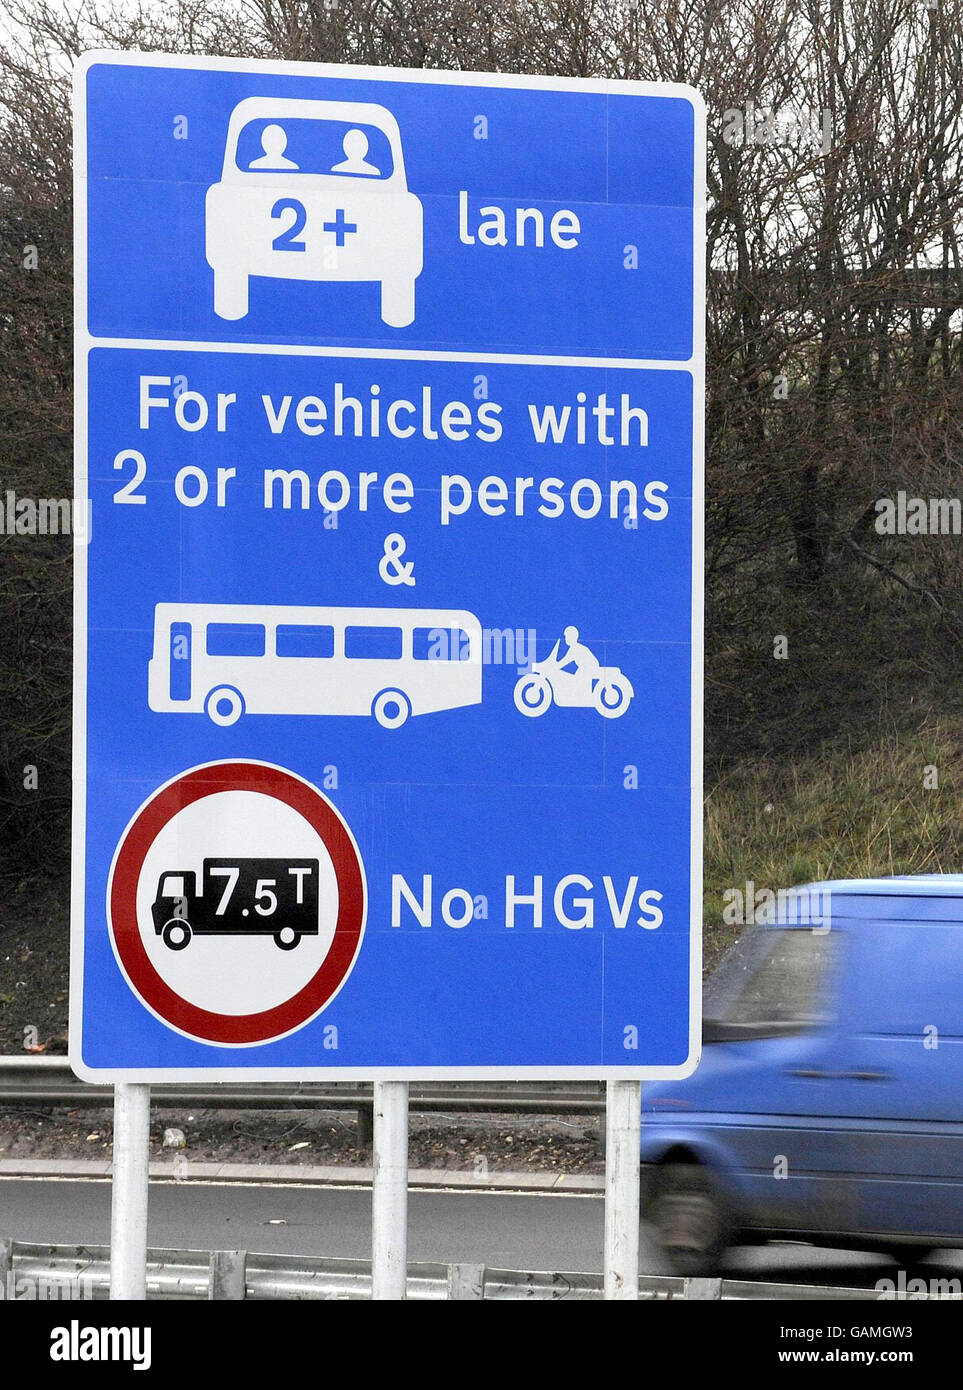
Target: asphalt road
[[502, 1230]]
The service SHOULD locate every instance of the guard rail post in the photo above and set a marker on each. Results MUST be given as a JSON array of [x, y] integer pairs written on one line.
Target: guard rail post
[[228, 1275], [6, 1267], [702, 1288], [466, 1281], [365, 1125]]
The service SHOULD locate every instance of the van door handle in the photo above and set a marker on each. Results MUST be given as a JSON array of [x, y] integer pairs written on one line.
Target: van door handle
[[822, 1074]]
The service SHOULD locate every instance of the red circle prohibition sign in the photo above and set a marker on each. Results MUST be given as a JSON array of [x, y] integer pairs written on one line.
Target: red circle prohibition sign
[[157, 811]]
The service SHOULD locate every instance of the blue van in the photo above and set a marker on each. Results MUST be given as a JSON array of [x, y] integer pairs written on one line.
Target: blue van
[[828, 1105]]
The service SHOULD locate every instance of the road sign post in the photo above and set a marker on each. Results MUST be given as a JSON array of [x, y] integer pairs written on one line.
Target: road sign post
[[128, 1198], [623, 1114], [389, 623], [389, 1194]]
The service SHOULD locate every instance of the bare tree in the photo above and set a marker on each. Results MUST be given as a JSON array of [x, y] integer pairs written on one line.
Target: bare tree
[[833, 329]]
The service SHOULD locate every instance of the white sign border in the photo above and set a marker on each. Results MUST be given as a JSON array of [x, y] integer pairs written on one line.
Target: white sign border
[[84, 342]]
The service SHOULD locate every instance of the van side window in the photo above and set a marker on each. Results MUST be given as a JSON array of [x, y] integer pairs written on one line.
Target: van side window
[[305, 640], [235, 639], [909, 973], [373, 643]]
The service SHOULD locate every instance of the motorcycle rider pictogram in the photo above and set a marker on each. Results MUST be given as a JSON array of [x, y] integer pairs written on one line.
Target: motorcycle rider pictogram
[[573, 678]]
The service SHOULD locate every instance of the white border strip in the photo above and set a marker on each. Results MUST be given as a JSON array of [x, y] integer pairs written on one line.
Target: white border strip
[[513, 359]]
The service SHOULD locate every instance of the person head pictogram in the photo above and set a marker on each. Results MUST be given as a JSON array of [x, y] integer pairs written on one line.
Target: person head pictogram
[[274, 141], [355, 146]]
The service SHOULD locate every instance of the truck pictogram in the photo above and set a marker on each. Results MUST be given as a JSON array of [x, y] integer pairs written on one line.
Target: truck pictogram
[[239, 897]]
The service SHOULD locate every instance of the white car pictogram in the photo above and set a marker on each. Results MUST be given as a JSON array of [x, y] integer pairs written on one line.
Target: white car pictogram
[[314, 190]]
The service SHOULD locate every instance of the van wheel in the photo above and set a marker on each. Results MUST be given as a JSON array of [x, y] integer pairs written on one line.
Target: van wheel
[[391, 709], [230, 295], [287, 938], [177, 934], [687, 1218], [224, 705], [398, 303]]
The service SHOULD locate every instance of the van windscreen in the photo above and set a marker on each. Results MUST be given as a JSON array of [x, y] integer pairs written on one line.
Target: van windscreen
[[771, 982]]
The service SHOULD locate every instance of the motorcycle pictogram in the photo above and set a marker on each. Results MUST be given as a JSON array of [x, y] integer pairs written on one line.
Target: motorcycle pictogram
[[573, 678]]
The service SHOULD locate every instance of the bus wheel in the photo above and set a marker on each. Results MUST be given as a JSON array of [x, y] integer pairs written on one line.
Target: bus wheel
[[224, 705], [177, 934], [391, 709], [287, 938]]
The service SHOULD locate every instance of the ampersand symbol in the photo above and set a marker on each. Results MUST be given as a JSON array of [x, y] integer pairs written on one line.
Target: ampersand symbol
[[390, 566]]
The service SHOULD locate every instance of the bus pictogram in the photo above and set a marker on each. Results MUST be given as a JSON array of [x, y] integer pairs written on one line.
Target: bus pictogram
[[227, 660]]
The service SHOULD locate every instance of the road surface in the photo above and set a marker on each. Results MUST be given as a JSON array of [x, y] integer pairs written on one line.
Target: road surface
[[501, 1230]]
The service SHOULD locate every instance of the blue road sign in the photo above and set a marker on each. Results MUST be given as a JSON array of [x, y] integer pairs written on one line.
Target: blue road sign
[[389, 634]]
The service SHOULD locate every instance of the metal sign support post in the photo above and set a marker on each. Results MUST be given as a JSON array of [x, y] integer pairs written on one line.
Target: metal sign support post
[[128, 1205], [389, 1192], [623, 1132]]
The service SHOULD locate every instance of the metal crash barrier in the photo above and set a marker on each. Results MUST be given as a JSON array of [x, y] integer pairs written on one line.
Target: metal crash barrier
[[49, 1081], [51, 1272]]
